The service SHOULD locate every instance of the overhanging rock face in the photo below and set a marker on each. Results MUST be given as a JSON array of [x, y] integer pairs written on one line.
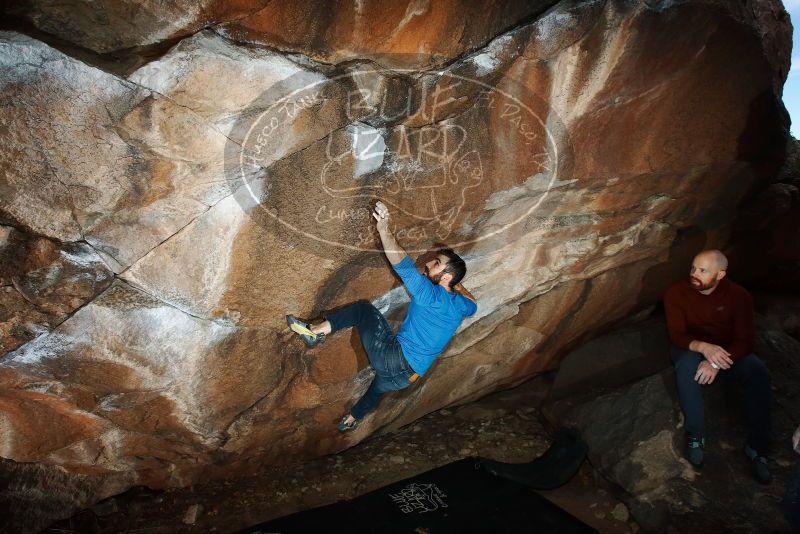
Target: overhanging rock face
[[328, 31], [190, 205]]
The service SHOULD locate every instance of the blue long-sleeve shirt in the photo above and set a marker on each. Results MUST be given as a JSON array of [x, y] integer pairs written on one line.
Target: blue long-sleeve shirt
[[433, 317]]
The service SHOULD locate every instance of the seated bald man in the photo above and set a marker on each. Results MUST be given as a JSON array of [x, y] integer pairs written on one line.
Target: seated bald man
[[710, 324]]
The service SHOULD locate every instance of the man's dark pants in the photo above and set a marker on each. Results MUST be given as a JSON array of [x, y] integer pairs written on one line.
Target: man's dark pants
[[392, 371], [749, 371]]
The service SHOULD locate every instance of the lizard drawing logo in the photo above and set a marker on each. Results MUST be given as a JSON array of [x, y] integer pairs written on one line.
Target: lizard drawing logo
[[315, 153], [432, 164]]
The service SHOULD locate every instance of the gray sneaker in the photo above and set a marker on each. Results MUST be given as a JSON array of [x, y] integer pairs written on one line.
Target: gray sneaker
[[694, 451], [760, 465]]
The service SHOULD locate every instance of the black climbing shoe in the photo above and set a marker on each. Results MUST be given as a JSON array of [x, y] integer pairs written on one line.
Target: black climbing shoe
[[694, 451], [344, 426], [760, 465], [304, 331]]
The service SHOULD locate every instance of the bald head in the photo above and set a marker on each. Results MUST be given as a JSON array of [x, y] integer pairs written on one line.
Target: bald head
[[708, 268], [713, 258]]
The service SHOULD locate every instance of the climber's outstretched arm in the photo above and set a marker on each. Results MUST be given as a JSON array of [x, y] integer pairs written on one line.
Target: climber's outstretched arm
[[394, 253]]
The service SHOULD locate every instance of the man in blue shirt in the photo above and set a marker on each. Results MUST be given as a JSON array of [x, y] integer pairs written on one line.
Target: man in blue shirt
[[438, 305]]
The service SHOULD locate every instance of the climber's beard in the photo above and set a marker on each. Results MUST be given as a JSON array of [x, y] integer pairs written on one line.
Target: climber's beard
[[436, 278]]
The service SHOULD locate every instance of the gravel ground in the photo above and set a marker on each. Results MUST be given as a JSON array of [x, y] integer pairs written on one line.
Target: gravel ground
[[504, 426]]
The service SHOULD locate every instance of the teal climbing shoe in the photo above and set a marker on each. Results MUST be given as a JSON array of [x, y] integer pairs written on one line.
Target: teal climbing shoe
[[694, 451], [304, 331]]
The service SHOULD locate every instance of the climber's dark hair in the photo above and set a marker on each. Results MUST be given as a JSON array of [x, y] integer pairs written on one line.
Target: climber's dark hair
[[455, 266]]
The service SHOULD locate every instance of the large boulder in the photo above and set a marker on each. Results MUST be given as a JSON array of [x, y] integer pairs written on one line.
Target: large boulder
[[222, 186], [421, 32]]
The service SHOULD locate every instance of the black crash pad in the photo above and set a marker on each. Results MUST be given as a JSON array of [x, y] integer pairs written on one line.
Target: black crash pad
[[460, 497], [551, 470]]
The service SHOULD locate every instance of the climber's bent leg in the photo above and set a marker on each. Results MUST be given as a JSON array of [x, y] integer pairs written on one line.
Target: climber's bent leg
[[392, 373], [373, 329], [369, 401], [354, 314]]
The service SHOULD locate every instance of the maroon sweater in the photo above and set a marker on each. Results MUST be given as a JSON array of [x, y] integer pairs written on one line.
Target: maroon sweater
[[724, 318]]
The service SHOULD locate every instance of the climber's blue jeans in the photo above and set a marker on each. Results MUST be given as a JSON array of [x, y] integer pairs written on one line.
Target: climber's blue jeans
[[749, 371], [392, 371]]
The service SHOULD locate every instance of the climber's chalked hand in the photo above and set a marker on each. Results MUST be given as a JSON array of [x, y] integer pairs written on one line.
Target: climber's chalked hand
[[381, 209], [381, 214]]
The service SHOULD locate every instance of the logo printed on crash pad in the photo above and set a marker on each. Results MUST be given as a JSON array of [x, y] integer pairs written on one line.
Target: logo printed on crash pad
[[419, 498]]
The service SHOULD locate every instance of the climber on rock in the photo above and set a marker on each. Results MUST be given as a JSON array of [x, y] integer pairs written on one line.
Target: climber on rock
[[710, 325], [438, 305]]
